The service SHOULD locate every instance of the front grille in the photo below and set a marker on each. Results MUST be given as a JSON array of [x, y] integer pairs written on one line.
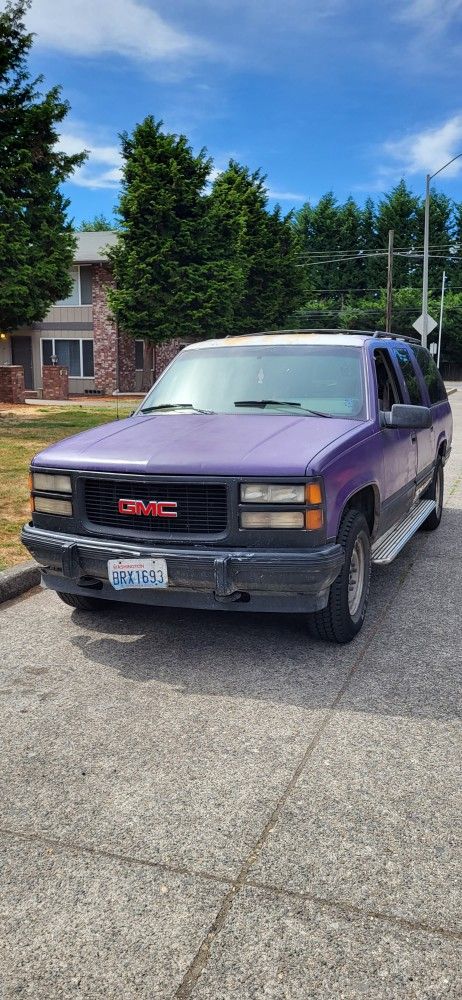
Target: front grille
[[202, 507]]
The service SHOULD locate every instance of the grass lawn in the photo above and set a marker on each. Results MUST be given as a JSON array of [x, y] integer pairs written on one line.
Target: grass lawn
[[24, 431]]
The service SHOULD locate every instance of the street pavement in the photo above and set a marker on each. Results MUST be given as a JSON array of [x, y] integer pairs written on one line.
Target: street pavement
[[216, 806]]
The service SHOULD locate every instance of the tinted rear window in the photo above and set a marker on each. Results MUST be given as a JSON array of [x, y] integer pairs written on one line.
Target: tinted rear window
[[410, 375], [433, 380]]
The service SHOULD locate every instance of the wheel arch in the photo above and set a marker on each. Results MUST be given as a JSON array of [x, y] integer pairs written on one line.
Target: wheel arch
[[367, 501], [442, 448]]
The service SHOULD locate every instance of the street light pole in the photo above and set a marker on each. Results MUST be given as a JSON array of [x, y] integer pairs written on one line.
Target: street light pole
[[391, 234], [429, 178], [425, 262]]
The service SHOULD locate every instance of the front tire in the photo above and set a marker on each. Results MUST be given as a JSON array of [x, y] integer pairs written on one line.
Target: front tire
[[344, 614], [435, 492], [82, 602]]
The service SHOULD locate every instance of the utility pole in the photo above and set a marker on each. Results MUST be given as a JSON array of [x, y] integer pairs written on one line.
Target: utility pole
[[391, 236], [443, 287]]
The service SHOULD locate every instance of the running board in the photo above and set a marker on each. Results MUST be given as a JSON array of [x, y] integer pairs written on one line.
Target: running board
[[386, 548]]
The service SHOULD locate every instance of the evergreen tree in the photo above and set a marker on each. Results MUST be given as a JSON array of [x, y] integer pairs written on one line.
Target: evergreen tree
[[161, 259], [374, 267], [268, 280], [319, 236], [36, 240], [455, 269], [99, 224], [441, 235], [400, 210], [226, 233], [351, 272]]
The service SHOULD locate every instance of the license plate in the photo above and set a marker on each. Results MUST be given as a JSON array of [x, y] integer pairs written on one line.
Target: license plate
[[137, 574]]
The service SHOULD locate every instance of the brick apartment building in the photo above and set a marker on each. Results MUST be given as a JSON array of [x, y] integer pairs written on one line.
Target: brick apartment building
[[80, 334]]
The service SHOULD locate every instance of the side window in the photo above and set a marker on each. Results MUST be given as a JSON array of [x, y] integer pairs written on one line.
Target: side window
[[387, 386], [409, 375], [433, 380]]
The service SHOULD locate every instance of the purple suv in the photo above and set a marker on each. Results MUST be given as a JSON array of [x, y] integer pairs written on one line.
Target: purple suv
[[263, 473]]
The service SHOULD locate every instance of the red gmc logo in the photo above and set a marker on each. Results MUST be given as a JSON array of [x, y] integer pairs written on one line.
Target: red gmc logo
[[154, 508]]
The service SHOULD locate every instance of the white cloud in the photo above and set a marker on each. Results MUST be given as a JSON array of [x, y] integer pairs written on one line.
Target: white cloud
[[434, 38], [286, 196], [92, 27], [103, 169], [427, 150], [432, 15]]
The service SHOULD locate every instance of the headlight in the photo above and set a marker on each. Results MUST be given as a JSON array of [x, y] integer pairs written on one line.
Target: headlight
[[272, 519], [272, 493], [45, 505], [307, 495], [51, 482]]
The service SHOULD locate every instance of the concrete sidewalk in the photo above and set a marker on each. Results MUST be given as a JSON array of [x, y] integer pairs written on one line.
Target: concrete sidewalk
[[215, 806]]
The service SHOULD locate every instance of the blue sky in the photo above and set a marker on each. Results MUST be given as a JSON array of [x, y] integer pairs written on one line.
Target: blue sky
[[348, 95]]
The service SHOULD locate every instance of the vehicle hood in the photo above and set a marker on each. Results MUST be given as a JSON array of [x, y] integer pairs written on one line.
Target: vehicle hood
[[195, 443]]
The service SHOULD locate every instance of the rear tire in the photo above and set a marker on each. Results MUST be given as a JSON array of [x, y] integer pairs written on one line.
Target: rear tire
[[435, 492], [343, 617], [82, 602]]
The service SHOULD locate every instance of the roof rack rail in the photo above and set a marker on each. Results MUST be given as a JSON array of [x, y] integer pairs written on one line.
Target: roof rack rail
[[396, 336], [351, 333]]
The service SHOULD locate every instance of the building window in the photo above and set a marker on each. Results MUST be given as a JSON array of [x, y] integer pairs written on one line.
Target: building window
[[139, 355], [82, 288], [76, 355]]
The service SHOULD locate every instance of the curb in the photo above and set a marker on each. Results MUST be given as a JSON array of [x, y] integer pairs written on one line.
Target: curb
[[18, 579]]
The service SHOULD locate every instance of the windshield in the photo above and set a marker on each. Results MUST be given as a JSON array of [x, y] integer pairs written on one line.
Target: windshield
[[304, 380]]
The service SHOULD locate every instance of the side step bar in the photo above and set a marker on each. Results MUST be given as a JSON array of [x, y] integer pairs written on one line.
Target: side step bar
[[387, 547]]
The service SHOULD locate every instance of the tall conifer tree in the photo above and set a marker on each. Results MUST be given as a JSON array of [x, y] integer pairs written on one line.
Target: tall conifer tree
[[161, 261], [36, 239]]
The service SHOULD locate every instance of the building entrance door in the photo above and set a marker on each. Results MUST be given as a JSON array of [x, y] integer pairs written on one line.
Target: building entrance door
[[21, 354]]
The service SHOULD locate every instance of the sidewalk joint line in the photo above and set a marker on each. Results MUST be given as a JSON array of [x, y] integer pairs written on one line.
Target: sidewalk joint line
[[64, 845], [272, 890], [334, 904]]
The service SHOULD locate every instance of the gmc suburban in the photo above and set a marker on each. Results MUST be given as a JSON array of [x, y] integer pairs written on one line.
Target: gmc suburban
[[264, 472]]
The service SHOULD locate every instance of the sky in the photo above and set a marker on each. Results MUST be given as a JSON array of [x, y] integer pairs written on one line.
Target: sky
[[341, 95]]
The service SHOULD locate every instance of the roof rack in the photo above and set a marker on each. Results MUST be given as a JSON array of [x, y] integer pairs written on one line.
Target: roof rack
[[351, 333]]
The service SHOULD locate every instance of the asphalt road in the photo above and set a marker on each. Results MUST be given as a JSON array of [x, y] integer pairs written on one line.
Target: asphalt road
[[216, 806]]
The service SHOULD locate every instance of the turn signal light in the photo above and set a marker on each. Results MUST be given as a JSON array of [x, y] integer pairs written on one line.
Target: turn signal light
[[313, 493], [314, 519]]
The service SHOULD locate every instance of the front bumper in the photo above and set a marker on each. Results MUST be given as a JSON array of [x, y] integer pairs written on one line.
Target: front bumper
[[256, 580]]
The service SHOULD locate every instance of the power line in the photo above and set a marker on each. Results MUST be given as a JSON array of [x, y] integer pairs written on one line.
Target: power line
[[366, 256], [348, 291], [365, 251], [412, 246]]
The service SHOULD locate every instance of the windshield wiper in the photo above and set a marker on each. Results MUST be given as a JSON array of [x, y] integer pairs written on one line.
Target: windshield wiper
[[278, 402], [174, 406]]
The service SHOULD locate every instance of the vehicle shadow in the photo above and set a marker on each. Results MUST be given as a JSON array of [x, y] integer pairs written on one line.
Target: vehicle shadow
[[403, 658]]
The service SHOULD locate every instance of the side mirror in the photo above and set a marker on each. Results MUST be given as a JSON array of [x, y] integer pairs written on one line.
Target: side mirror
[[407, 416]]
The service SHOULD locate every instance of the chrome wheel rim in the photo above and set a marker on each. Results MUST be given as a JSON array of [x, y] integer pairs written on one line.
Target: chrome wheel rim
[[356, 577]]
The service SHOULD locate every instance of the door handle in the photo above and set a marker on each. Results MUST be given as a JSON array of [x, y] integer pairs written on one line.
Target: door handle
[[413, 438]]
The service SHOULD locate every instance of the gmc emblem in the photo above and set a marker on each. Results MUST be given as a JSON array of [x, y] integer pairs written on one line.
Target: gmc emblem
[[153, 508]]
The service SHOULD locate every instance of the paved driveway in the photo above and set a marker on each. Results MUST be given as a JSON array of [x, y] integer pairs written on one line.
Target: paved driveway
[[215, 806]]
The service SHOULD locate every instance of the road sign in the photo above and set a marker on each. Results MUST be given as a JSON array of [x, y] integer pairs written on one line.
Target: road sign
[[419, 324]]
